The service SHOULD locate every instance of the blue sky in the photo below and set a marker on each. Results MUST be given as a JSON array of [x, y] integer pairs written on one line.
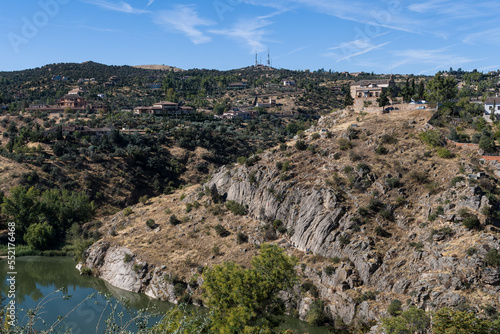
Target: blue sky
[[391, 36]]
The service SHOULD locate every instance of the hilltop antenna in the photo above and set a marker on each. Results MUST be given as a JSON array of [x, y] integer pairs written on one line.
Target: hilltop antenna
[[268, 58], [256, 62]]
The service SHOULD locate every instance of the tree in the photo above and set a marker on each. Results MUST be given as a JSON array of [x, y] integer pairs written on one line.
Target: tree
[[40, 236], [406, 91], [348, 100], [246, 300], [442, 89], [383, 100], [449, 321], [421, 89], [411, 321], [487, 143]]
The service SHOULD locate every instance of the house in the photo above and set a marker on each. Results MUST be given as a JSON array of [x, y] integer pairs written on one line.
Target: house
[[289, 83], [72, 101], [76, 91], [164, 108], [167, 106], [152, 85], [370, 89], [492, 106], [237, 85]]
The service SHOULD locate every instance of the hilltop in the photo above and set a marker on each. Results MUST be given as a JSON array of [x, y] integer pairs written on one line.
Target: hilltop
[[372, 213], [160, 67]]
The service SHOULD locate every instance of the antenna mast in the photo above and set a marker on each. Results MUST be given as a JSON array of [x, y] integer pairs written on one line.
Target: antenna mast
[[268, 58]]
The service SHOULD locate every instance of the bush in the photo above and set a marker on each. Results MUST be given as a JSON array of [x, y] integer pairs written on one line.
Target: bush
[[40, 236], [216, 250], [282, 229], [300, 145], [344, 144], [445, 153], [241, 160], [236, 208], [283, 147], [381, 232], [86, 271], [344, 240], [471, 222], [174, 220], [143, 199], [329, 270], [419, 246], [315, 136], [492, 258], [316, 316], [127, 258], [151, 223], [471, 251], [179, 288], [127, 211], [241, 238], [335, 260], [394, 308], [381, 150], [432, 138], [393, 182], [419, 176], [221, 230], [375, 205]]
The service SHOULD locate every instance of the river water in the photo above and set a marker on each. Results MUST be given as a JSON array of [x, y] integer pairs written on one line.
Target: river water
[[55, 288]]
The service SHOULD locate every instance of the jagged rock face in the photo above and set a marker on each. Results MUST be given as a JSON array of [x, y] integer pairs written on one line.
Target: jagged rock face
[[321, 222], [109, 261]]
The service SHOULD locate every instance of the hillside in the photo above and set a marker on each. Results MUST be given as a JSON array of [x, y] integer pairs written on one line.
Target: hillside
[[160, 67], [372, 213]]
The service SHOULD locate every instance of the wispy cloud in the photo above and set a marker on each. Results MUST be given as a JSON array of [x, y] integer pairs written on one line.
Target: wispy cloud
[[150, 3], [486, 36], [184, 19], [121, 6], [100, 29], [348, 50], [435, 59], [250, 32]]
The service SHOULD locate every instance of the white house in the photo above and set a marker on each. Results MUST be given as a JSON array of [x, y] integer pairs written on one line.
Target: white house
[[492, 106]]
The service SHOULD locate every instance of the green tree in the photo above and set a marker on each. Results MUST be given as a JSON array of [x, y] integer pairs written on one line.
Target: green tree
[[348, 100], [246, 300], [442, 89], [449, 321], [383, 100], [40, 236], [23, 206], [487, 143], [410, 321]]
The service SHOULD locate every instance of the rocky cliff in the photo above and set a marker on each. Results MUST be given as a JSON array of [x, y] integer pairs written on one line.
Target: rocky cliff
[[371, 212]]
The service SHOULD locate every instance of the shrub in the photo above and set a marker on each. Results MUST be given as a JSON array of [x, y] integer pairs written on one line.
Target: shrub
[[127, 211], [300, 145], [216, 250], [329, 270], [393, 182], [471, 251], [344, 144], [40, 236], [283, 147], [277, 223], [127, 258], [221, 230], [368, 295], [279, 165], [174, 220], [492, 258], [282, 229], [388, 139], [381, 232], [353, 156], [311, 288], [344, 240], [150, 223], [236, 208], [471, 222], [394, 308], [445, 153], [143, 199], [432, 138], [387, 213], [347, 170], [419, 246], [315, 136], [419, 176], [86, 271], [316, 316], [375, 205], [381, 150], [241, 238], [179, 288]]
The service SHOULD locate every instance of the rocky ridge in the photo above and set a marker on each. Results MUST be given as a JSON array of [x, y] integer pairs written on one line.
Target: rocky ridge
[[367, 239]]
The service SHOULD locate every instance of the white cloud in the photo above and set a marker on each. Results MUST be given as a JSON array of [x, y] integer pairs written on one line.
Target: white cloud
[[352, 49], [121, 6], [436, 59], [490, 36], [150, 3], [250, 32], [184, 19]]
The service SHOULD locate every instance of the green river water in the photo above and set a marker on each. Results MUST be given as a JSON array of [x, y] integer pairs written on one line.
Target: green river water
[[38, 278]]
